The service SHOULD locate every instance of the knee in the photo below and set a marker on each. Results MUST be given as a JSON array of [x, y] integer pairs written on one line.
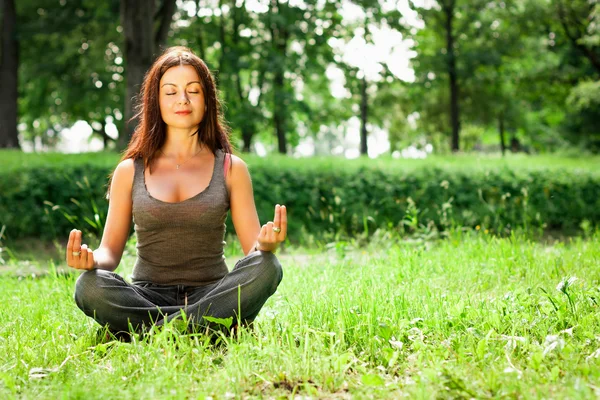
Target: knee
[[271, 269], [88, 288]]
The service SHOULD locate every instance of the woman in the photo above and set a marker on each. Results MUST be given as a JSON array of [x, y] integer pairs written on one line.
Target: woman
[[178, 179]]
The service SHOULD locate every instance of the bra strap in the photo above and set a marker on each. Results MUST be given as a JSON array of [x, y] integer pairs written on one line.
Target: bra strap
[[226, 164]]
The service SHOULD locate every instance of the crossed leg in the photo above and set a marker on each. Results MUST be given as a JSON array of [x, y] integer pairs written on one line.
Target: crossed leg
[[113, 302]]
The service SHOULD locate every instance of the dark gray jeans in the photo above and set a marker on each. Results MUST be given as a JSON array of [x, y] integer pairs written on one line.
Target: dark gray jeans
[[113, 302]]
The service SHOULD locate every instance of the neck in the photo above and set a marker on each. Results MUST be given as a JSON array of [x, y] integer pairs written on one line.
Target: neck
[[180, 144]]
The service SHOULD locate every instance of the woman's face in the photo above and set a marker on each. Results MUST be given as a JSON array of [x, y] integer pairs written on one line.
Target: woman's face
[[181, 98]]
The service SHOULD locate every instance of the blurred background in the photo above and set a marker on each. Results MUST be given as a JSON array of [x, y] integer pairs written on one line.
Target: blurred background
[[330, 77], [382, 120]]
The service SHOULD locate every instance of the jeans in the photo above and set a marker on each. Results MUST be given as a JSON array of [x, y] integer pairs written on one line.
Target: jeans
[[113, 302]]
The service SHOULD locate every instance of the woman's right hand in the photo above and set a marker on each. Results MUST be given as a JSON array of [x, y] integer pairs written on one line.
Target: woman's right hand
[[85, 258]]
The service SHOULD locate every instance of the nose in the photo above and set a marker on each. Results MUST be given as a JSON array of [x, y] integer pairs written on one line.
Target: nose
[[183, 98]]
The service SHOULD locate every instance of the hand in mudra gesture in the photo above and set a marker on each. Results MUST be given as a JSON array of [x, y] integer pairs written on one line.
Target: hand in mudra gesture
[[273, 232], [79, 256]]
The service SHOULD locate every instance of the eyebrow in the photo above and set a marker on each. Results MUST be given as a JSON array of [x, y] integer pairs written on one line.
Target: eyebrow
[[189, 83]]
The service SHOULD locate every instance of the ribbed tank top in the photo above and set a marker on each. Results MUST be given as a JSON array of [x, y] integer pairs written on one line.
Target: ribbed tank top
[[180, 243]]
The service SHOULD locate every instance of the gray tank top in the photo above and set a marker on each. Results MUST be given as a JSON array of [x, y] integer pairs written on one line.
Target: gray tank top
[[180, 243]]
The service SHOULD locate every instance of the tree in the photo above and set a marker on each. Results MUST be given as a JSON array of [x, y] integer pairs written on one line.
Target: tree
[[9, 62], [483, 52], [365, 89], [298, 54], [269, 64], [444, 22], [449, 9], [80, 76], [579, 20], [145, 30]]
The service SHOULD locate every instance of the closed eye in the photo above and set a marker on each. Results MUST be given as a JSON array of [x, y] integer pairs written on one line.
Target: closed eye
[[171, 94]]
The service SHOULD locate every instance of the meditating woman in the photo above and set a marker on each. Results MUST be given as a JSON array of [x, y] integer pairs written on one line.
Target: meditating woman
[[177, 180]]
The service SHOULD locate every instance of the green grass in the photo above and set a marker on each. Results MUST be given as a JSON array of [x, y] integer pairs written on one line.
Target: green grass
[[472, 316]]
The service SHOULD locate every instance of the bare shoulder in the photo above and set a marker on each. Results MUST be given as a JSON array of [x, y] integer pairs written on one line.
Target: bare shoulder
[[238, 175], [123, 175], [237, 164]]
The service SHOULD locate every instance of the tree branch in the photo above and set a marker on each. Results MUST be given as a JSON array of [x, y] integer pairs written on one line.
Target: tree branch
[[575, 39]]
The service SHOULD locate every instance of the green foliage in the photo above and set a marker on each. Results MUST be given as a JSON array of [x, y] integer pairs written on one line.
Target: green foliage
[[584, 103], [79, 77], [48, 202], [517, 63], [329, 198], [585, 96]]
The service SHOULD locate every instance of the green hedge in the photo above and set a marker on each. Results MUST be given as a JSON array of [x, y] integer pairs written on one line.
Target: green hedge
[[325, 196]]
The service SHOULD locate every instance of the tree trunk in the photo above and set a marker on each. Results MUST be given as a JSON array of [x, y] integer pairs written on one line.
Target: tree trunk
[[279, 110], [221, 74], [102, 132], [501, 131], [250, 111], [279, 37], [448, 7], [141, 43], [9, 62], [247, 134], [363, 117], [515, 145], [163, 17]]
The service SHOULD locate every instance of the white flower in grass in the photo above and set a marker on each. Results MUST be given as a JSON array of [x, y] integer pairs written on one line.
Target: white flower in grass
[[415, 334], [568, 331], [510, 370], [512, 341], [595, 354], [553, 342], [396, 343], [565, 284]]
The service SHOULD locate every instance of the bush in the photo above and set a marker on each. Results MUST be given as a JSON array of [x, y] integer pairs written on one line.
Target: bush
[[328, 197]]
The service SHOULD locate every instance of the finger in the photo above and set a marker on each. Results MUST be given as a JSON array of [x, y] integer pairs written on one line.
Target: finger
[[83, 257], [77, 241], [90, 259], [70, 246], [270, 232], [277, 218], [262, 236], [283, 223]]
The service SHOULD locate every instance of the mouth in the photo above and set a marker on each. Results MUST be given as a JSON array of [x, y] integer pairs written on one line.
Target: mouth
[[183, 112]]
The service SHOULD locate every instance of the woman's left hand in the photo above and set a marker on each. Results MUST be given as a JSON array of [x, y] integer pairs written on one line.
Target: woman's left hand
[[273, 233]]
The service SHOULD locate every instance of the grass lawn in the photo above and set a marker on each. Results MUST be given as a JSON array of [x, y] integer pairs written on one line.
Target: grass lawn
[[468, 317]]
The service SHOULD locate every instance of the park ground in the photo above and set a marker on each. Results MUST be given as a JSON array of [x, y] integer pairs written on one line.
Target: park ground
[[470, 316]]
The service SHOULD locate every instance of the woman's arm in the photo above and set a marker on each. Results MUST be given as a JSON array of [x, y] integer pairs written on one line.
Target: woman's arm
[[118, 221], [116, 230], [244, 215]]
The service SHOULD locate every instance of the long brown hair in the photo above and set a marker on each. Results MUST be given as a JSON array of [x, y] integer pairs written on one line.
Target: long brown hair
[[150, 133]]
